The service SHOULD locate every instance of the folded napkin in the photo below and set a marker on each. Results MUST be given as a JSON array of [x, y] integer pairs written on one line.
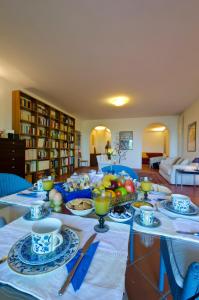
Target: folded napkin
[[83, 267], [186, 225], [30, 195]]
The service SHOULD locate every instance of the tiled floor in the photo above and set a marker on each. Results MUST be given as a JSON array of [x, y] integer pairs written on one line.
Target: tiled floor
[[142, 275]]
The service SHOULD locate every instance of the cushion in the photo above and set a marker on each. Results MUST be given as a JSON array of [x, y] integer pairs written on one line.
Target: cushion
[[184, 162], [166, 169], [169, 160]]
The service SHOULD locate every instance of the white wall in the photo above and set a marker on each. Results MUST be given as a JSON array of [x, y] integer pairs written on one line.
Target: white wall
[[137, 125], [190, 115], [6, 88], [153, 141]]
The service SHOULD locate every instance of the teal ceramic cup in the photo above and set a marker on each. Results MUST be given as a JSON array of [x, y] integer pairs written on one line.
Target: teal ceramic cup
[[37, 209], [46, 235], [180, 202], [147, 215]]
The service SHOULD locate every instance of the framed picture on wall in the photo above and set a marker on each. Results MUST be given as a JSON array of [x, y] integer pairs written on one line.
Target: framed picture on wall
[[126, 140], [191, 138]]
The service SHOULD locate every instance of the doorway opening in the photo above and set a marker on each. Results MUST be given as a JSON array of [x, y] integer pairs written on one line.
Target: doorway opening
[[156, 143], [99, 137]]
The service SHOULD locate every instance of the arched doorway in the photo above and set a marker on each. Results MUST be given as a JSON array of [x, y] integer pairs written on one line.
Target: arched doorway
[[156, 142], [99, 137]]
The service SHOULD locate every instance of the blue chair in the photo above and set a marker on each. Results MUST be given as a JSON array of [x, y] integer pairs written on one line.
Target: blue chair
[[11, 184], [115, 169], [179, 260]]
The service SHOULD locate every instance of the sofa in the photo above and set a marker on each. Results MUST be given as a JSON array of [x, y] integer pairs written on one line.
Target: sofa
[[168, 168]]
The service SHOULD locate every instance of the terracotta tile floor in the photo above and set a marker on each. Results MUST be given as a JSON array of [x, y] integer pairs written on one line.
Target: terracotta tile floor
[[142, 275]]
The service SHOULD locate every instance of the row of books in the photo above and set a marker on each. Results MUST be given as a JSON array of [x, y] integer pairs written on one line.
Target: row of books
[[27, 129], [30, 142], [54, 164], [42, 109], [54, 124], [54, 114], [43, 143], [27, 103], [63, 153], [27, 116], [43, 121], [64, 161], [30, 154], [63, 127], [42, 154], [54, 153], [43, 165], [30, 166], [63, 170]]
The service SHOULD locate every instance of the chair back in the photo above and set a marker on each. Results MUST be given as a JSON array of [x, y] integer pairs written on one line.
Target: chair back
[[11, 184], [119, 168]]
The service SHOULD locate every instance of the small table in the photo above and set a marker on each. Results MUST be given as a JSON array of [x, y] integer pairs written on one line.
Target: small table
[[185, 172]]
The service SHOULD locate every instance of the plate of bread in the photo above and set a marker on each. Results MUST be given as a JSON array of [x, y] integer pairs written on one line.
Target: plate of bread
[[80, 206]]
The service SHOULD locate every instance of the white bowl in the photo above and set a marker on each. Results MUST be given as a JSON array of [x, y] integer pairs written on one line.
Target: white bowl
[[81, 213]]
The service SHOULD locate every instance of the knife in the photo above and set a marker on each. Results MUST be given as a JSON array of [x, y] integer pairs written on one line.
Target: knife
[[185, 232], [72, 272]]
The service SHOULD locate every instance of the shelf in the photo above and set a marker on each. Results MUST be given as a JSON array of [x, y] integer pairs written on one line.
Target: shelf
[[47, 120]]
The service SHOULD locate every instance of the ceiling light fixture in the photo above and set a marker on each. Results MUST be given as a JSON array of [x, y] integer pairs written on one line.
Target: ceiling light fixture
[[162, 128], [100, 128], [119, 100]]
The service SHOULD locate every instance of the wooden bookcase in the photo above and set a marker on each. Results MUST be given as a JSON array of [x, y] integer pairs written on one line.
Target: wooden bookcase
[[49, 136]]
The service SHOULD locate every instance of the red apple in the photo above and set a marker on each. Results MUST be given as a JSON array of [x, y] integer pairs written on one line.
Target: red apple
[[129, 186]]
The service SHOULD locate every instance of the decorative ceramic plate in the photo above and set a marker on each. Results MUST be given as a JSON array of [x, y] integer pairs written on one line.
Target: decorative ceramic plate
[[27, 256], [136, 205], [156, 222], [193, 210], [46, 213], [20, 267], [120, 217]]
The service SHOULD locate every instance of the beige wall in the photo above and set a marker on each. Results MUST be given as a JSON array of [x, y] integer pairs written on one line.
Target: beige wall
[[153, 141], [98, 139], [190, 115], [137, 125]]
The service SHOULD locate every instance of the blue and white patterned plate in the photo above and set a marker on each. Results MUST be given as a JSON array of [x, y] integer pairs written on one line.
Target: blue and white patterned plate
[[15, 263], [193, 210], [27, 255], [46, 213], [156, 222], [120, 217]]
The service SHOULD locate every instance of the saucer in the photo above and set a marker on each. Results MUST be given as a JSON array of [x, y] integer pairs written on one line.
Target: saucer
[[193, 210], [120, 217], [27, 256], [47, 212], [156, 222], [16, 253]]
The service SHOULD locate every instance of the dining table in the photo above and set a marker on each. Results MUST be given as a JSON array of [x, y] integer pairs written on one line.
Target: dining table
[[106, 275]]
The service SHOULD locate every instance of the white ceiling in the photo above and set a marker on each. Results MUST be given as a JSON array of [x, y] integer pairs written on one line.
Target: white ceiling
[[76, 53]]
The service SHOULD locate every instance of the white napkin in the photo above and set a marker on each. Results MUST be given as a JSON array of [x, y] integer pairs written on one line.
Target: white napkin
[[186, 225], [23, 201]]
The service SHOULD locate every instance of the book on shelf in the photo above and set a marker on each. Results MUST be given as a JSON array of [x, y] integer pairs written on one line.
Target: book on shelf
[[42, 154], [54, 153], [27, 116], [30, 142], [63, 170], [63, 153], [27, 103], [64, 161], [30, 167], [54, 164], [41, 109], [43, 165], [30, 154], [43, 121], [27, 128]]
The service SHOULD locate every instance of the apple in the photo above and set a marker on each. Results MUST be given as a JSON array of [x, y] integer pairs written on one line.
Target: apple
[[122, 190], [119, 183], [118, 193], [129, 186]]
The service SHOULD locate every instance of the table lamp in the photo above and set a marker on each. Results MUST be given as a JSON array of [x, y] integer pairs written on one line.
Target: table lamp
[[196, 161]]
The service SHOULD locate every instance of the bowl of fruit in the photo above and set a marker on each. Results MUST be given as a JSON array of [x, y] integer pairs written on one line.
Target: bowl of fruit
[[122, 190]]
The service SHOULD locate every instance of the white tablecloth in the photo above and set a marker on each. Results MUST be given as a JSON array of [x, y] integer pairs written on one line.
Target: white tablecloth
[[15, 199], [106, 275], [166, 229]]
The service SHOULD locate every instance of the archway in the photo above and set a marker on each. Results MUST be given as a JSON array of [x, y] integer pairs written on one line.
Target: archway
[[156, 142], [99, 137]]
